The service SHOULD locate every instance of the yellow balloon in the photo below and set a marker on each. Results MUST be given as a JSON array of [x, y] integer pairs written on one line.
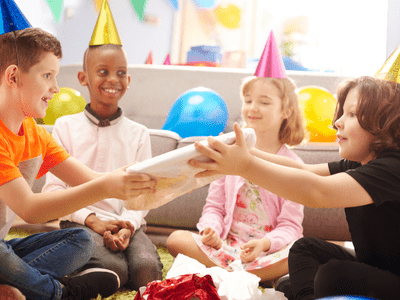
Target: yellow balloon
[[228, 15], [318, 107], [67, 102], [321, 132]]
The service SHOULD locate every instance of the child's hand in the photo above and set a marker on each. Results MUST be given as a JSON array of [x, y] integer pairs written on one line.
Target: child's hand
[[210, 238], [101, 226], [228, 159], [118, 241], [127, 186], [252, 249]]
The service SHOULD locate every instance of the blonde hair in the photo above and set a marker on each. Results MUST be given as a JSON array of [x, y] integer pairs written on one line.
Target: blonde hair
[[291, 131]]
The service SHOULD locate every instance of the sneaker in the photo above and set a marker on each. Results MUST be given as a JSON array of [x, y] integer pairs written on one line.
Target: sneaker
[[89, 284], [283, 285]]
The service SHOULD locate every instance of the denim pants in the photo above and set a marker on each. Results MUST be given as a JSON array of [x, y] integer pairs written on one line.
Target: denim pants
[[34, 263]]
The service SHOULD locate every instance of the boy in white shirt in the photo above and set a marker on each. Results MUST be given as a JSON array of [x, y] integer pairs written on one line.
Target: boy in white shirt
[[103, 139]]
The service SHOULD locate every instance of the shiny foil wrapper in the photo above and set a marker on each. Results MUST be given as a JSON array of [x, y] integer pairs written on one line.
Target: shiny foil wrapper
[[185, 287]]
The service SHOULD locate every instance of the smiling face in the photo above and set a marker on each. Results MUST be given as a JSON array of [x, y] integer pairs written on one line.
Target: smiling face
[[38, 86], [354, 141], [262, 108], [106, 77]]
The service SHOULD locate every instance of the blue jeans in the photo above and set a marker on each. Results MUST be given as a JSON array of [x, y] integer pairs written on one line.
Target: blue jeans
[[34, 263]]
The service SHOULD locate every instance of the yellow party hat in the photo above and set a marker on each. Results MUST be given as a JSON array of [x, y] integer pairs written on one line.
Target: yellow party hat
[[105, 31], [390, 69]]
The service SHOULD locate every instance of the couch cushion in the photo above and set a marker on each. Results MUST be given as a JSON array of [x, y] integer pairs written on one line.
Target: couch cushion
[[315, 153], [323, 223], [163, 141], [326, 223], [184, 211]]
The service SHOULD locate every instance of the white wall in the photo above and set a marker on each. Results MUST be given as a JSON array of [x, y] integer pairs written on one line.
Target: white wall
[[393, 30], [75, 32], [137, 37]]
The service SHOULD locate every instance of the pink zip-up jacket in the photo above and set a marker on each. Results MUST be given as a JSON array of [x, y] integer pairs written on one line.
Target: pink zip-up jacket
[[285, 216]]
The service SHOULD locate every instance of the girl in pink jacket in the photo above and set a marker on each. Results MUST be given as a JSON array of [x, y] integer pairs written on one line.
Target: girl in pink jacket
[[241, 220]]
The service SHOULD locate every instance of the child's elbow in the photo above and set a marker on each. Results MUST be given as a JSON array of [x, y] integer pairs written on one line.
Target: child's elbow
[[30, 217]]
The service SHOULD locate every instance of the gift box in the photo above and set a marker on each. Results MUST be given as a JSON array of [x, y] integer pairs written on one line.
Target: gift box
[[189, 286], [204, 54]]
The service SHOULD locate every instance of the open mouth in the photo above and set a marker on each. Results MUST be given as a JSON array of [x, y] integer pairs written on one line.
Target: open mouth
[[45, 100], [111, 91]]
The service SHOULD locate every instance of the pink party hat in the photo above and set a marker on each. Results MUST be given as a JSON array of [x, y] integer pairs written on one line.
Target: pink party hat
[[271, 64], [149, 59], [167, 61]]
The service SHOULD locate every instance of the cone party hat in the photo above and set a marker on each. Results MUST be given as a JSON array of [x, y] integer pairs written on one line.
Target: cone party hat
[[167, 60], [11, 17], [149, 59], [390, 69], [271, 64], [105, 31]]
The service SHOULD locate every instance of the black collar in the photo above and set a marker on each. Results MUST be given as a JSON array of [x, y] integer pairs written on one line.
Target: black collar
[[96, 120]]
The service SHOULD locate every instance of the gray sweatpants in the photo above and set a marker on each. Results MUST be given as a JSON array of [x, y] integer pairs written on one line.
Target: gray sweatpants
[[136, 266]]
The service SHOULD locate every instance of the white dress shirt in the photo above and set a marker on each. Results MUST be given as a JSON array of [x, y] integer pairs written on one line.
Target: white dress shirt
[[103, 146]]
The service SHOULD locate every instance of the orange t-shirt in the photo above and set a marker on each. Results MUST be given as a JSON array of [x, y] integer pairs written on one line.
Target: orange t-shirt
[[33, 142]]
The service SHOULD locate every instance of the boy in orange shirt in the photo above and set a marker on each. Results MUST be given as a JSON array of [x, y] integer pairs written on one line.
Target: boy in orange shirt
[[36, 266]]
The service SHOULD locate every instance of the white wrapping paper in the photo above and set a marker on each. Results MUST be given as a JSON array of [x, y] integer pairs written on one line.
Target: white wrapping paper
[[235, 285], [174, 175]]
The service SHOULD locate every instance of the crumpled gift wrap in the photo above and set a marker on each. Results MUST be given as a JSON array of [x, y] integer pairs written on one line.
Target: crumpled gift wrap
[[184, 287], [235, 285], [174, 176]]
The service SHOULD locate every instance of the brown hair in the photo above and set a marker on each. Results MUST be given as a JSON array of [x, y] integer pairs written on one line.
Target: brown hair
[[378, 110], [292, 130], [31, 44]]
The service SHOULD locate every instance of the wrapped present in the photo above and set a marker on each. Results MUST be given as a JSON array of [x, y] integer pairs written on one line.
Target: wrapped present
[[189, 286]]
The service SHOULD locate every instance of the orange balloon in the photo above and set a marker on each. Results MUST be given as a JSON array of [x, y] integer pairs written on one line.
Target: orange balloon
[[318, 107], [228, 15]]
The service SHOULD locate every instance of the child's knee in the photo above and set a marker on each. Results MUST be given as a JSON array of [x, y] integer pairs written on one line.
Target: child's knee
[[84, 239], [332, 278], [85, 236], [175, 240]]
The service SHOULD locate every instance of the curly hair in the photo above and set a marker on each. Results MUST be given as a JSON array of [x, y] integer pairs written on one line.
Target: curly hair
[[378, 110], [291, 131], [31, 44]]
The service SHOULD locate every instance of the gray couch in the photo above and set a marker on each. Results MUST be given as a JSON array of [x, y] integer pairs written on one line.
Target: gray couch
[[154, 89]]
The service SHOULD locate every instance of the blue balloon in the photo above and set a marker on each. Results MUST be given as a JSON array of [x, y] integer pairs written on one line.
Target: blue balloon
[[197, 112], [346, 298]]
